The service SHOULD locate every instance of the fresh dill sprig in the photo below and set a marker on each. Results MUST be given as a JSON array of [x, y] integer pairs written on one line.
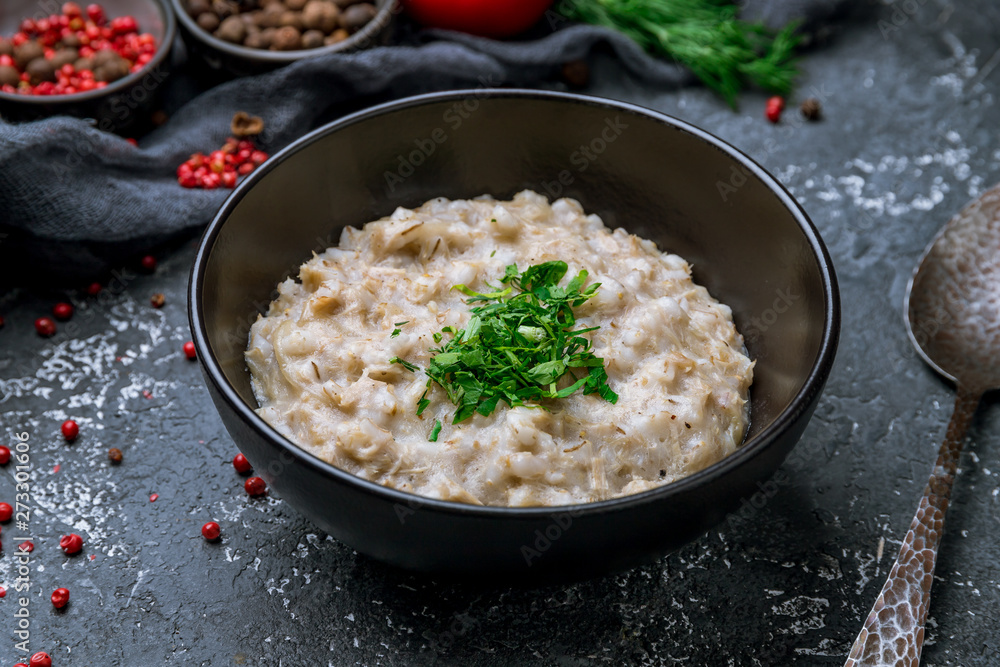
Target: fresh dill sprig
[[517, 347], [705, 36]]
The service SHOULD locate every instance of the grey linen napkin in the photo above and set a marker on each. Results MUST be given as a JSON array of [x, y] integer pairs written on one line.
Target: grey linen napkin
[[76, 201]]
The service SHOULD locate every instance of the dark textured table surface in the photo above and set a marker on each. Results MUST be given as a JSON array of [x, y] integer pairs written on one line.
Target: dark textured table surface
[[910, 134]]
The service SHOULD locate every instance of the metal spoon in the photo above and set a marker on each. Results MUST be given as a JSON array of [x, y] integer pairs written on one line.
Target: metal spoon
[[953, 308]]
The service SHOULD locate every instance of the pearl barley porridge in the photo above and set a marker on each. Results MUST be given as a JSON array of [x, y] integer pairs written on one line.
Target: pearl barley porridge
[[326, 372]]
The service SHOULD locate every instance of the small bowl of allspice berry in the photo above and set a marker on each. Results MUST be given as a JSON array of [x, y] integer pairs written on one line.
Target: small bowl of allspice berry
[[250, 36]]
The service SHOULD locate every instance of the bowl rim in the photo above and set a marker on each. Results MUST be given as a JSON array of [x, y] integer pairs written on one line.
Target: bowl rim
[[750, 449], [166, 45], [369, 31]]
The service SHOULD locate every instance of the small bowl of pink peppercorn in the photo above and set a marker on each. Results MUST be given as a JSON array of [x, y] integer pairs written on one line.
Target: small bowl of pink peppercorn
[[104, 61]]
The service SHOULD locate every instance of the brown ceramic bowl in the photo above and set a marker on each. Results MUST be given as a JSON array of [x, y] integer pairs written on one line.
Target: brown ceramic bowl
[[117, 105], [750, 243], [240, 60]]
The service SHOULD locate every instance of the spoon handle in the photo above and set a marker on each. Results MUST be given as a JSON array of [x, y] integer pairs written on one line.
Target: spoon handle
[[893, 634]]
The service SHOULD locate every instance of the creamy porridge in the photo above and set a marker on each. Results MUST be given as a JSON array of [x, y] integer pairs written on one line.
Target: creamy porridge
[[323, 369]]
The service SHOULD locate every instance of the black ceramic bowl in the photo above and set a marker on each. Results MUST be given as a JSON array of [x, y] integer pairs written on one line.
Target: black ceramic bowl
[[241, 60], [119, 104], [751, 245]]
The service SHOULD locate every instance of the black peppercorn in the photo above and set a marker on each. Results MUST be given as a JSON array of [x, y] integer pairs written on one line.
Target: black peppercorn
[[811, 109], [576, 73]]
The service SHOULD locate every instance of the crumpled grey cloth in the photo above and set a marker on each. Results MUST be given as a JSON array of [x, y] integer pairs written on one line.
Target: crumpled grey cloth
[[76, 201]]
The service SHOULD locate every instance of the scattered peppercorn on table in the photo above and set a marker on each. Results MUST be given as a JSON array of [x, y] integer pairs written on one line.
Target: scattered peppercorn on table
[[144, 538]]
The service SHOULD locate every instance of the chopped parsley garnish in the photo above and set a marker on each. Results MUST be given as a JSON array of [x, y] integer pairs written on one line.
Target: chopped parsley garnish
[[517, 347], [405, 364], [397, 330], [436, 431]]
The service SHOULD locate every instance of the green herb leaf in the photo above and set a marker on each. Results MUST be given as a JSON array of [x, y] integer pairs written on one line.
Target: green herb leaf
[[413, 368], [705, 36], [436, 431], [517, 348]]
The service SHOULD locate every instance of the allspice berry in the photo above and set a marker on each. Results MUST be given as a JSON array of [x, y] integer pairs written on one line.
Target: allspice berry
[[271, 16], [208, 22], [320, 15], [104, 56], [290, 18], [64, 57], [811, 108], [40, 70], [83, 63], [295, 5], [286, 39], [224, 8], [232, 29], [27, 52], [115, 455], [312, 39], [6, 47], [9, 76], [258, 40], [196, 8], [338, 35], [112, 70], [356, 17]]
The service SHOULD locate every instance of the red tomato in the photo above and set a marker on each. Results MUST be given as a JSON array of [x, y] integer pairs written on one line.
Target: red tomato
[[489, 18]]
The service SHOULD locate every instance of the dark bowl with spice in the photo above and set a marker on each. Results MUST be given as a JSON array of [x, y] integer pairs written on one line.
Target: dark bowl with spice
[[253, 36], [123, 78], [749, 242]]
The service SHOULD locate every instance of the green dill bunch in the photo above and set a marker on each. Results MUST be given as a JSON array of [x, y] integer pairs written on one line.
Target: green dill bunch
[[706, 36]]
